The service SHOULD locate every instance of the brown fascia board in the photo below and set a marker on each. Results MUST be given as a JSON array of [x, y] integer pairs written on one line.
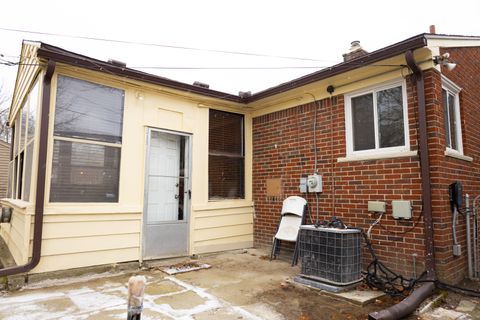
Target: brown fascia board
[[63, 56], [412, 43], [60, 55]]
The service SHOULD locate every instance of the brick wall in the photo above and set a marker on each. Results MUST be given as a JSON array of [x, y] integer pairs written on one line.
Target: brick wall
[[445, 169], [283, 148]]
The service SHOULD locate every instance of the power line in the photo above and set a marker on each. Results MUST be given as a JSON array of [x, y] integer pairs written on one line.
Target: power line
[[161, 45]]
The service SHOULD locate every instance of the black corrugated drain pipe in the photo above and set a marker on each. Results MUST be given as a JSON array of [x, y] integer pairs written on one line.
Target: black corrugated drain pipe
[[409, 304], [42, 165]]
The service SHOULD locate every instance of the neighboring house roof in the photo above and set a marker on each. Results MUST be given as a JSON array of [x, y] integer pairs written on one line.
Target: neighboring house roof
[[60, 55]]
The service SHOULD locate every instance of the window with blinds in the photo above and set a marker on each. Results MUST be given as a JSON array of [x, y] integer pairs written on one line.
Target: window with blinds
[[87, 142], [226, 156]]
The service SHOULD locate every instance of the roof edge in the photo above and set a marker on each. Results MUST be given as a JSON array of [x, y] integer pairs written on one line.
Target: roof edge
[[412, 43], [64, 56]]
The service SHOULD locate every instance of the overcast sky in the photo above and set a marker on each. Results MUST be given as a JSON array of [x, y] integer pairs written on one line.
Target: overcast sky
[[320, 30]]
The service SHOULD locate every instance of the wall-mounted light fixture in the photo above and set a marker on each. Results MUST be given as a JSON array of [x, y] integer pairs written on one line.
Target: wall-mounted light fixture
[[443, 60]]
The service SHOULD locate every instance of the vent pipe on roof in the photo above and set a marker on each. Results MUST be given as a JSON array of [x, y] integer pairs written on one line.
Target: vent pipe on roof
[[355, 51], [201, 84], [117, 63]]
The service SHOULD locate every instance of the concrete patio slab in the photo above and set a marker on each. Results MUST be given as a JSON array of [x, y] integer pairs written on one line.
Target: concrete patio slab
[[239, 285]]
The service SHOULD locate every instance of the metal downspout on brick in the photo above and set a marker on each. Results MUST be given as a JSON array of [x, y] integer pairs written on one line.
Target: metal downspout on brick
[[409, 304]]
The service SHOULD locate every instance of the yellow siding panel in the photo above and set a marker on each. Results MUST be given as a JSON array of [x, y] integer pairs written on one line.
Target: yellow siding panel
[[91, 217], [221, 221], [89, 244], [233, 243], [78, 260], [223, 232], [85, 229]]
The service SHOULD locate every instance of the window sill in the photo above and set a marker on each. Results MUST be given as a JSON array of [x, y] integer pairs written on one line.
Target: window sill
[[377, 156], [456, 155], [19, 204]]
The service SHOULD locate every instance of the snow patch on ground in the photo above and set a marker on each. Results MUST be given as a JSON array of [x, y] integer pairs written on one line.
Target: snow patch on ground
[[72, 280]]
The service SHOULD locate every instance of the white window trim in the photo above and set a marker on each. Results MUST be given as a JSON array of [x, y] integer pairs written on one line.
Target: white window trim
[[377, 152], [454, 90]]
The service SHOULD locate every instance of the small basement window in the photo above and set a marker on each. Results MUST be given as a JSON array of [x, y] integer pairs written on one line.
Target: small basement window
[[226, 156]]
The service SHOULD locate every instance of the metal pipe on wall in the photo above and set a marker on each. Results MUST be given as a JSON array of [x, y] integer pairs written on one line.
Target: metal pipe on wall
[[469, 235], [409, 304], [41, 173]]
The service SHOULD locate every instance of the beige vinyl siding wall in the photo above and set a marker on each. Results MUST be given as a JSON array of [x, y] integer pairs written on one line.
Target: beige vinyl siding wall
[[4, 160], [15, 234], [80, 240], [86, 234]]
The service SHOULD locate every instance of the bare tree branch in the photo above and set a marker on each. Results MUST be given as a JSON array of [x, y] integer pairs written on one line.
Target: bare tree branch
[[5, 131]]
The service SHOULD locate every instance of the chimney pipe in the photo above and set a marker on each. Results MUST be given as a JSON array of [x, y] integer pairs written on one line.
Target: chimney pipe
[[432, 29]]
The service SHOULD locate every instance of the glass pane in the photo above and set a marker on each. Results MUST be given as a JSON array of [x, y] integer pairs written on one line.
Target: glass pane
[[87, 110], [225, 132], [363, 123], [391, 130], [226, 163], [20, 159], [32, 112], [84, 172], [11, 178], [24, 126], [225, 177], [17, 130], [453, 122], [447, 120], [28, 172]]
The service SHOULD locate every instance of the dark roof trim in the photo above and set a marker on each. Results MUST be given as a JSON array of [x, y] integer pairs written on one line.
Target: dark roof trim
[[63, 56], [413, 43]]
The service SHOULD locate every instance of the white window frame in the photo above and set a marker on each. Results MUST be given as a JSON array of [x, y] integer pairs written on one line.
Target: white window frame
[[453, 89], [381, 152], [84, 141]]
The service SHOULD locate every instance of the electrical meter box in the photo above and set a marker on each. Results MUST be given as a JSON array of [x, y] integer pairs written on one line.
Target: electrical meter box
[[314, 183]]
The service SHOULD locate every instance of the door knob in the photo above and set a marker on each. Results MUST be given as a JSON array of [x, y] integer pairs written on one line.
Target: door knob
[[176, 196]]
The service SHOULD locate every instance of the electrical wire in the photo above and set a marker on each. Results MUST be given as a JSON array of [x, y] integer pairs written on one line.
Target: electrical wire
[[369, 232], [151, 44]]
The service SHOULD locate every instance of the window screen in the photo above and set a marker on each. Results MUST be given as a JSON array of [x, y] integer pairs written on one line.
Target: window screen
[[84, 172], [88, 110], [363, 123], [226, 155]]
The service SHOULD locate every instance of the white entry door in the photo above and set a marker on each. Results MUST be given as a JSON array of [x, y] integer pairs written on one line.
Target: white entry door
[[167, 196]]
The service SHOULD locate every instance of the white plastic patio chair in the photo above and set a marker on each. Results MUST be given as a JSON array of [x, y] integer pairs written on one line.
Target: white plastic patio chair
[[292, 217]]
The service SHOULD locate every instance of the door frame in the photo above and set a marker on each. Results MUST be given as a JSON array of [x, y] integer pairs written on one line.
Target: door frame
[[188, 186]]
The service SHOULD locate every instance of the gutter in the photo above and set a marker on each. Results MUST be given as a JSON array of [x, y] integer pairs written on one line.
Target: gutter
[[41, 172], [409, 304]]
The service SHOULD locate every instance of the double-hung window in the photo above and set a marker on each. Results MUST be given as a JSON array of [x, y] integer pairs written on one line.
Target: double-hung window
[[451, 109], [226, 156], [376, 120], [87, 142]]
